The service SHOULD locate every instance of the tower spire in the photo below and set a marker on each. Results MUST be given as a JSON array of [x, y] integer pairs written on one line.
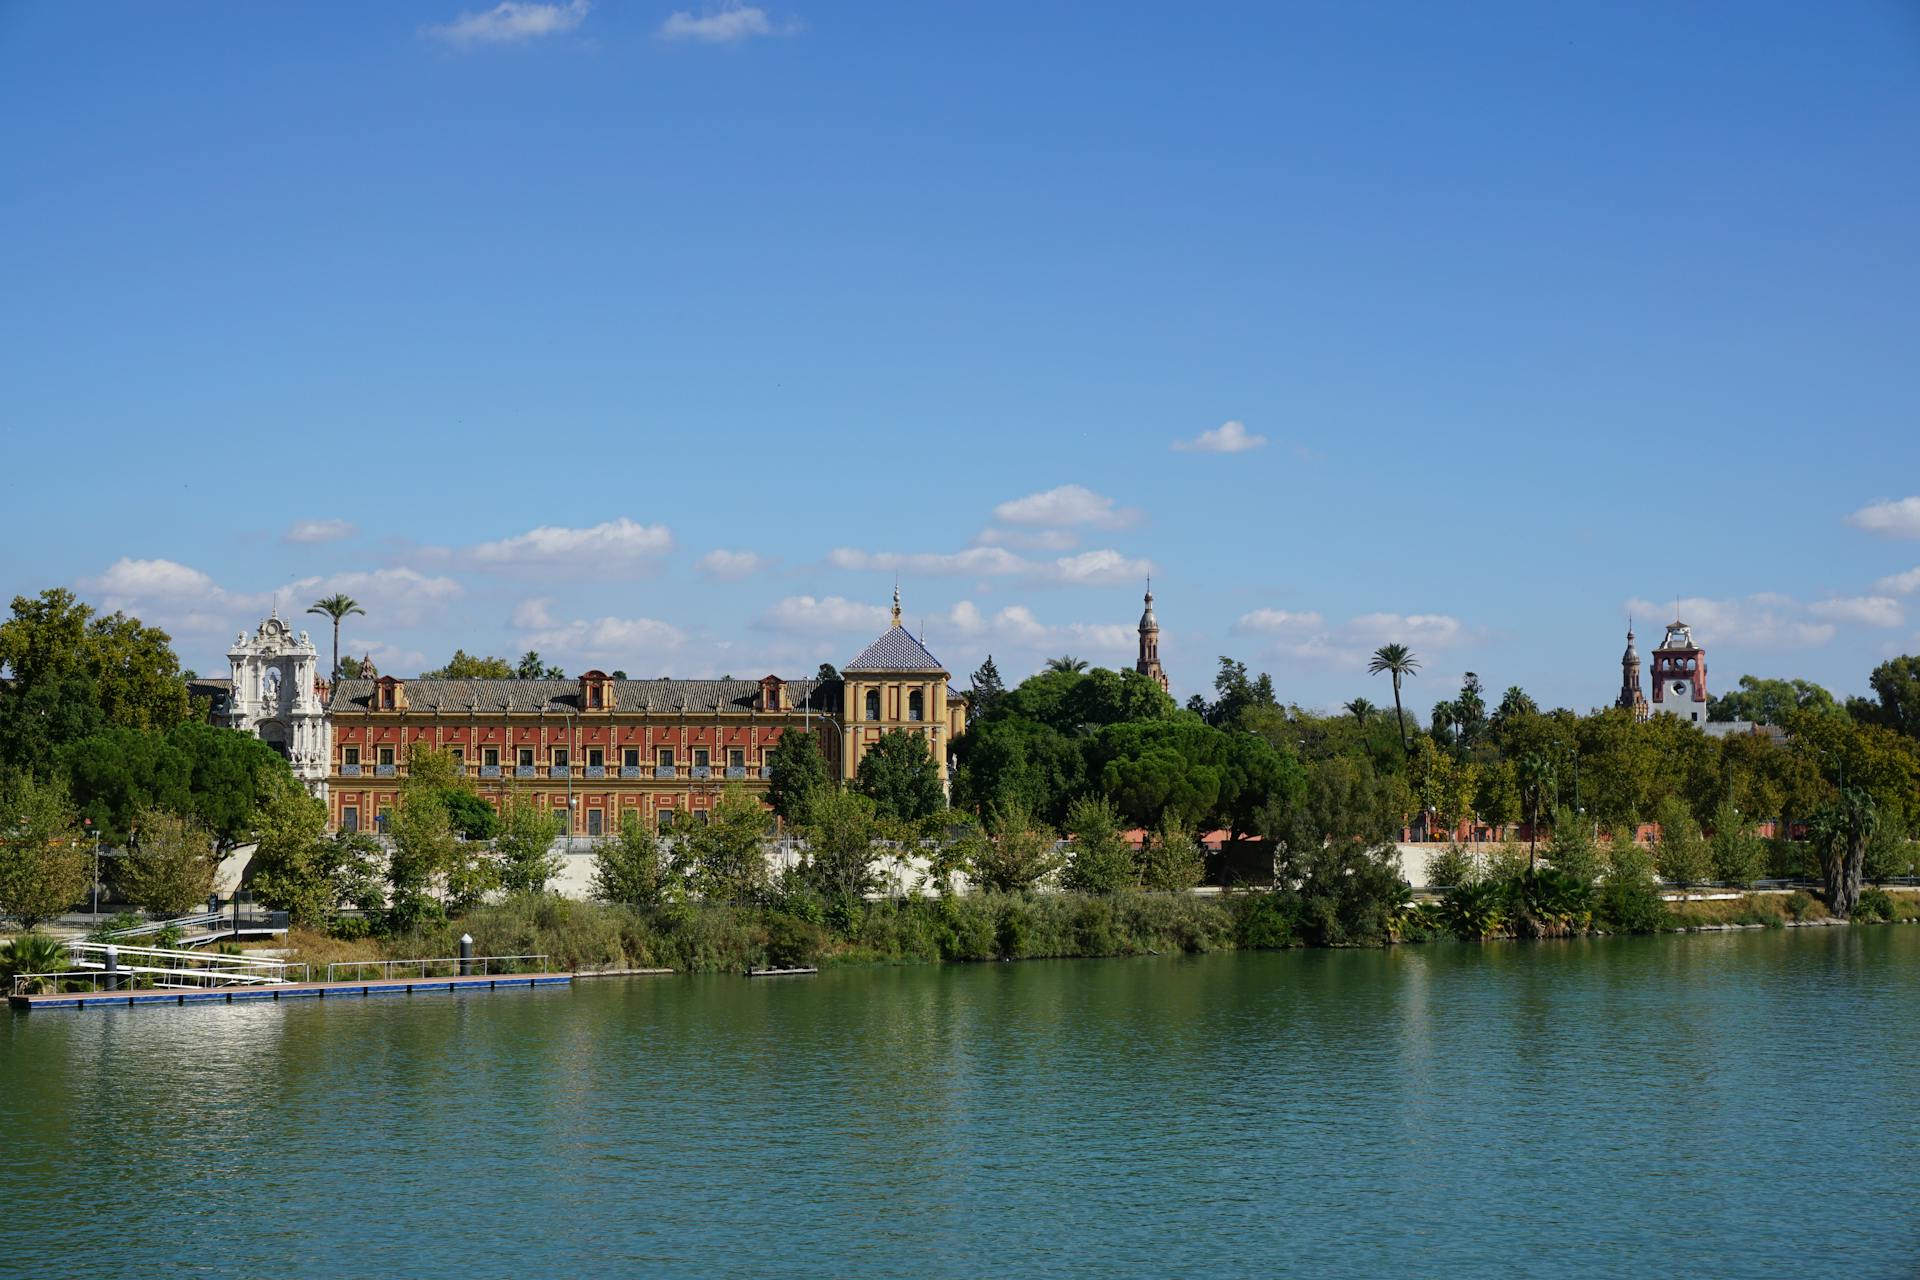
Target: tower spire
[[1148, 663], [896, 602]]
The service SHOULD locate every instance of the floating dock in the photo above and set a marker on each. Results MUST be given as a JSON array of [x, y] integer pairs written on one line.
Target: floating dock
[[286, 991]]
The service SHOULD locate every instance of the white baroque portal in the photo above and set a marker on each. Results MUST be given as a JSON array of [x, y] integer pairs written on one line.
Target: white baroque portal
[[275, 698]]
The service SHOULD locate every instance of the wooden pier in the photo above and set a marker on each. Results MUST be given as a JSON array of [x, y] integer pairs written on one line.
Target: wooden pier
[[286, 991]]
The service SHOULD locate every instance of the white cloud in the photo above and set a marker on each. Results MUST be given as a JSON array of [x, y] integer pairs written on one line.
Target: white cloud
[[1228, 437], [1764, 621], [509, 23], [1901, 584], [833, 613], [1306, 637], [1889, 518], [730, 566], [535, 614], [1278, 621], [1429, 630], [724, 25], [1070, 504], [389, 659], [1865, 611], [1028, 539], [975, 560], [318, 531], [1091, 568], [614, 546], [629, 643], [129, 579], [180, 598]]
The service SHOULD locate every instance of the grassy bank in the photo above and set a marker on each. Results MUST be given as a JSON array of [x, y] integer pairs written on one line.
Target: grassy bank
[[979, 927]]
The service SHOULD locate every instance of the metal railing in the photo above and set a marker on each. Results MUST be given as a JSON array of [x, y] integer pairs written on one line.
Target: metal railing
[[438, 967], [103, 966]]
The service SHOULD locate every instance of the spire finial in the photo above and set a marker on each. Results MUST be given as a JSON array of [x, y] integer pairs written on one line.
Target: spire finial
[[896, 602]]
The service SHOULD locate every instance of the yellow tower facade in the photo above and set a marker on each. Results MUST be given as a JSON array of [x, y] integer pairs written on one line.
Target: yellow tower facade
[[896, 685]]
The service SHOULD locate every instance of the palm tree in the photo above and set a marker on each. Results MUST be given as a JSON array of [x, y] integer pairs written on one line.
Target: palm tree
[[1399, 661], [1536, 779], [1066, 662], [1360, 709], [337, 606]]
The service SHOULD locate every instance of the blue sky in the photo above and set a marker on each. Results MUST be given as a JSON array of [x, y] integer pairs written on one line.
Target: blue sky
[[663, 337]]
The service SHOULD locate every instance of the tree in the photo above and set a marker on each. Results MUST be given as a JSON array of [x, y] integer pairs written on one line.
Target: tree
[[826, 674], [1573, 850], [45, 862], [71, 674], [1171, 861], [1398, 661], [230, 776], [117, 772], [899, 775], [799, 768], [1681, 857], [840, 831], [1099, 860], [1896, 682], [523, 846], [168, 869], [356, 668], [1769, 701], [465, 666], [530, 667], [1534, 773], [1360, 709], [1738, 856], [290, 868], [423, 850], [1514, 705], [1066, 662], [1017, 854], [631, 869], [1840, 832], [983, 697], [1238, 695], [728, 853], [339, 607]]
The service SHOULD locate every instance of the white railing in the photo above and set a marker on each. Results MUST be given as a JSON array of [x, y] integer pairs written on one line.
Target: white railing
[[437, 967], [103, 966]]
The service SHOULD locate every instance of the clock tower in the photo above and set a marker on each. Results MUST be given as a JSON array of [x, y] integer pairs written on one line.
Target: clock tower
[[1680, 675]]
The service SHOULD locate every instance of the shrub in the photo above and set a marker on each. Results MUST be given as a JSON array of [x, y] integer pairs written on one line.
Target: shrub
[[1889, 854], [1457, 864], [1553, 903], [28, 955], [1875, 905], [1737, 855], [169, 869], [1801, 905], [1476, 911], [1264, 922], [631, 869], [1019, 854], [350, 928], [1629, 901], [1506, 860], [793, 943]]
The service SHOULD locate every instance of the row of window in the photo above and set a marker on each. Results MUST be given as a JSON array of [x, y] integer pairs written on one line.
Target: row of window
[[916, 705], [665, 819], [561, 757]]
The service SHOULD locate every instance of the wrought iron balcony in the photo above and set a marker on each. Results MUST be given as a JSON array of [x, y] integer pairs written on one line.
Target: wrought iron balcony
[[524, 771], [736, 771], [385, 770], [349, 770], [596, 771], [701, 771], [630, 771], [766, 773], [489, 770], [559, 771], [665, 771]]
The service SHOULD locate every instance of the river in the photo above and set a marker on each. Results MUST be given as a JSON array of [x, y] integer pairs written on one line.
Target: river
[[1739, 1104]]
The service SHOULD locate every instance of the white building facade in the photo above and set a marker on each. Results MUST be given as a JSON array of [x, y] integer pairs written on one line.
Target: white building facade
[[276, 698]]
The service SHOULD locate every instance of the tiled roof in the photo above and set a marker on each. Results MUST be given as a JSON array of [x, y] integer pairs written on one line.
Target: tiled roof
[[895, 651], [662, 696]]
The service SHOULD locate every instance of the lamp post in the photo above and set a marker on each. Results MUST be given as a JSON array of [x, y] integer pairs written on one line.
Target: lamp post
[[88, 823]]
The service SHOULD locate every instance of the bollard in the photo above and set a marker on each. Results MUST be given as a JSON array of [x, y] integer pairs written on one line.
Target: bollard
[[466, 955], [113, 968]]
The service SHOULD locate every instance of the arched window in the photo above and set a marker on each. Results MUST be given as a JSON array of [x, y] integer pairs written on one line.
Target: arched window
[[916, 705], [873, 704]]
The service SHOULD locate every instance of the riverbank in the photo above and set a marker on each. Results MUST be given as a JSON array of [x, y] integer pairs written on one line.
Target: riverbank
[[589, 937]]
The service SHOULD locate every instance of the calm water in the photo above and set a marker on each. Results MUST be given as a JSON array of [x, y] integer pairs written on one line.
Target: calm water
[[1745, 1104]]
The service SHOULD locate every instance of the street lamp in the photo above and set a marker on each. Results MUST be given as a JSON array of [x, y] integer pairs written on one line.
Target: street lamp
[[573, 806]]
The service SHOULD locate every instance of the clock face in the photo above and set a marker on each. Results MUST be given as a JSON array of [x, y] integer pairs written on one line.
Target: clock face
[[1679, 686]]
